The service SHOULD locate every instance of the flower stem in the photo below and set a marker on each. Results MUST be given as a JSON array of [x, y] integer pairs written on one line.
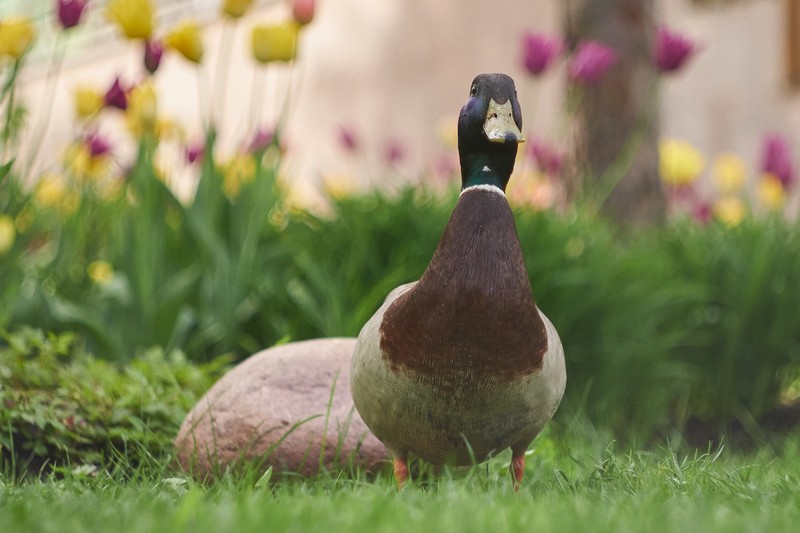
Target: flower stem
[[294, 79], [203, 104], [37, 136], [9, 92], [256, 89], [619, 168], [222, 70]]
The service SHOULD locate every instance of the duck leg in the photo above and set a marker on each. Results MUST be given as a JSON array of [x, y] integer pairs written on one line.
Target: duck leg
[[400, 471], [517, 468]]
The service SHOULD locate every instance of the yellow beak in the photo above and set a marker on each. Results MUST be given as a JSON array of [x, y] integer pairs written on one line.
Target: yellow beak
[[499, 125]]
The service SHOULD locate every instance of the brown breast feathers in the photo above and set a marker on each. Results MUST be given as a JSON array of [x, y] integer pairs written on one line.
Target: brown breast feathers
[[472, 314]]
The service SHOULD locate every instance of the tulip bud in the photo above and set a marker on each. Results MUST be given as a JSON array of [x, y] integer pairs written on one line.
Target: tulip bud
[[97, 145], [348, 139], [303, 11], [538, 52], [70, 12], [590, 62], [235, 8], [276, 42], [776, 159], [195, 153], [730, 210], [16, 36], [548, 159], [134, 17], [186, 39], [771, 192], [142, 109], [261, 140], [729, 172], [153, 50], [88, 102], [679, 162], [671, 50], [117, 96]]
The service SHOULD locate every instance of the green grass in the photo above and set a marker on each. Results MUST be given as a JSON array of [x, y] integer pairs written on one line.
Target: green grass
[[576, 484]]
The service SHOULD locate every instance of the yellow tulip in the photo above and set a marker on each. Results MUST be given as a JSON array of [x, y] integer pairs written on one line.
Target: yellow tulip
[[239, 170], [730, 210], [100, 271], [186, 39], [142, 112], [169, 130], [8, 234], [16, 36], [275, 42], [85, 167], [679, 162], [339, 186], [235, 8], [730, 173], [50, 190], [134, 17], [88, 102], [771, 192]]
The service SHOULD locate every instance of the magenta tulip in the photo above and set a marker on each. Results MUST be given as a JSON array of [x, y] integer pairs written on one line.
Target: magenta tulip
[[548, 159], [776, 159], [97, 145], [261, 140], [70, 12], [590, 62], [672, 50], [538, 52], [117, 95], [153, 50]]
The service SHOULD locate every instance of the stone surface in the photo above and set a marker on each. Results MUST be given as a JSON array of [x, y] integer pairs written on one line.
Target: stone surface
[[276, 409]]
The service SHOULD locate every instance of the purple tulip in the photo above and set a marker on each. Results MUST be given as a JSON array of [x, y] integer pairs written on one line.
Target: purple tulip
[[117, 95], [445, 165], [348, 139], [672, 50], [702, 212], [590, 62], [776, 158], [153, 50], [97, 145], [261, 140], [195, 153], [394, 152], [538, 51], [70, 12], [548, 159]]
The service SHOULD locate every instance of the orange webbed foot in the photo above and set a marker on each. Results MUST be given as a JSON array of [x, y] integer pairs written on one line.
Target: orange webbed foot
[[517, 470], [400, 471]]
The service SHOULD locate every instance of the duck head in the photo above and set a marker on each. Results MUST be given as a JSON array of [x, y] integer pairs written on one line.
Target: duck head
[[489, 130]]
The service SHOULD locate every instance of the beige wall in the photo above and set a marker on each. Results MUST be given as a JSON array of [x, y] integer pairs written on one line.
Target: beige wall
[[395, 69]]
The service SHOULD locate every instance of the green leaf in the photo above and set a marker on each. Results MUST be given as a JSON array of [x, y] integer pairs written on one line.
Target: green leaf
[[263, 481]]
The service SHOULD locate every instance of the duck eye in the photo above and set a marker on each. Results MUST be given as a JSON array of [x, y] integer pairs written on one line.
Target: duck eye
[[473, 91]]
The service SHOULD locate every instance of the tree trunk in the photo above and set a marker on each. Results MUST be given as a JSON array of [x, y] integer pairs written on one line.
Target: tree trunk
[[617, 119]]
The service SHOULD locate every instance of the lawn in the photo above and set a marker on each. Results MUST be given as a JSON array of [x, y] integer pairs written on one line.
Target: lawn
[[572, 484]]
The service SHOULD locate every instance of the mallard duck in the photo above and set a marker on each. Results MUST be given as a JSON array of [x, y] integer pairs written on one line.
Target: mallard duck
[[460, 365]]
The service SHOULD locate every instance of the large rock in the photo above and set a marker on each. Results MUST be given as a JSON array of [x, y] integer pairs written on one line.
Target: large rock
[[276, 409]]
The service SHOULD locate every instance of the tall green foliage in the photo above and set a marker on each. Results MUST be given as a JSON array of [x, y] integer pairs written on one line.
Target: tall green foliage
[[658, 325]]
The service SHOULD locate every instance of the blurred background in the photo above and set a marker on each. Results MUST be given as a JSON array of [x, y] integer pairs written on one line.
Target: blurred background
[[394, 74], [184, 183]]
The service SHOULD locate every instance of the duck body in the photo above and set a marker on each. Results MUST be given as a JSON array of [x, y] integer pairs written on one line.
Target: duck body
[[460, 365]]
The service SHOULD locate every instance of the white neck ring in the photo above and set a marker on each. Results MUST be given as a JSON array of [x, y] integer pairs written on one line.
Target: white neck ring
[[484, 187]]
